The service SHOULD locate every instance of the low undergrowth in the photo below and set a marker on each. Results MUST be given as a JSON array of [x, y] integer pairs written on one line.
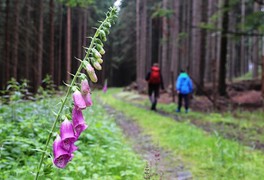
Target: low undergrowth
[[211, 156], [102, 154]]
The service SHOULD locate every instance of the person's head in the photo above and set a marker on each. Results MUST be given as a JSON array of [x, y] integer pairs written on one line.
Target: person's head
[[155, 64], [182, 71]]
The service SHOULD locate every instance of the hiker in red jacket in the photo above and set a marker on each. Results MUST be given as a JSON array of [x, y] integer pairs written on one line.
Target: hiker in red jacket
[[155, 82]]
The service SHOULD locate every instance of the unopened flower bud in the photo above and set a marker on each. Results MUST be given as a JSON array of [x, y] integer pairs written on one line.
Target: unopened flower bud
[[106, 31], [100, 49], [96, 54], [100, 61], [89, 68], [99, 42], [85, 89], [103, 35], [93, 77], [107, 24], [97, 65]]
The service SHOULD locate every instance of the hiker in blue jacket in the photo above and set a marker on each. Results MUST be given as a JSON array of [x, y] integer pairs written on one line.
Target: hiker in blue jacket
[[184, 87]]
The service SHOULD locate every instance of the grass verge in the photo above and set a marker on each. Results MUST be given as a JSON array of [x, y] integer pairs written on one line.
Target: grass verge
[[211, 156]]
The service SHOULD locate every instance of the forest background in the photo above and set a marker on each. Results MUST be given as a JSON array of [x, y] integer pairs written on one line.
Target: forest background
[[216, 41]]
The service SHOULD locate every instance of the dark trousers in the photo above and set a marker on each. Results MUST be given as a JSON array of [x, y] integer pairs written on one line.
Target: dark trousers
[[186, 101], [153, 92]]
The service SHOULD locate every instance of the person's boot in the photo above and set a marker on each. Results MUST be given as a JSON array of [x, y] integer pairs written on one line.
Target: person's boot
[[153, 107]]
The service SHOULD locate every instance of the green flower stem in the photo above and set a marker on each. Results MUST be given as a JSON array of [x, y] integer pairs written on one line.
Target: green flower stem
[[66, 96]]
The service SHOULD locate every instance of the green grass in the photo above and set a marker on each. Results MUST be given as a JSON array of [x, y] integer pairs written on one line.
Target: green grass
[[103, 151], [248, 76], [210, 156], [245, 126]]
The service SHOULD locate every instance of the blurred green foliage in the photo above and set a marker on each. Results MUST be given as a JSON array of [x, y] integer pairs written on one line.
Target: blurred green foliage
[[102, 154]]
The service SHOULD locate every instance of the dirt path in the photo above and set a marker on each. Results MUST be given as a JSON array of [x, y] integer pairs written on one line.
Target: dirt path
[[159, 162]]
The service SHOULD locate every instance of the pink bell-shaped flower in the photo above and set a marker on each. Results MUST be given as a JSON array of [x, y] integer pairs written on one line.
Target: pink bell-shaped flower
[[78, 100], [104, 88], [61, 157], [88, 100], [85, 88], [67, 136], [78, 121]]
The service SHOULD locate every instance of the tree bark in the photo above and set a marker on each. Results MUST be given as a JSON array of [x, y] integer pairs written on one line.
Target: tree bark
[[210, 44], [27, 44], [223, 52], [196, 40], [7, 44], [52, 30], [262, 88], [174, 36], [60, 46], [85, 14], [16, 39], [79, 40], [68, 45], [189, 41], [242, 43], [40, 45], [164, 51], [231, 46], [138, 2], [203, 44], [143, 43], [255, 55]]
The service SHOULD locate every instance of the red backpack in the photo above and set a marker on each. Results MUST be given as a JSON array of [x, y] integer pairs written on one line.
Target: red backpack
[[154, 75]]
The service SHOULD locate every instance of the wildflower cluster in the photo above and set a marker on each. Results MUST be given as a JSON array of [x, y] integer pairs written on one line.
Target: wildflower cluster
[[63, 146], [70, 130]]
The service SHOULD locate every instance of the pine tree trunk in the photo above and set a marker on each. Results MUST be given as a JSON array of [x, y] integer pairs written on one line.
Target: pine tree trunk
[[52, 30], [138, 3], [7, 44], [68, 45], [16, 39], [223, 53], [142, 28], [196, 40], [58, 70], [231, 46], [255, 56], [79, 40], [143, 43], [203, 44], [174, 39], [189, 41], [85, 15], [27, 44], [149, 45], [242, 43], [210, 44], [262, 87], [164, 51], [40, 45]]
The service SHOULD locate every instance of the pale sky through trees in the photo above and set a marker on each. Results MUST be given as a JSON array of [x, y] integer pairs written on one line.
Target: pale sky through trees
[[118, 3]]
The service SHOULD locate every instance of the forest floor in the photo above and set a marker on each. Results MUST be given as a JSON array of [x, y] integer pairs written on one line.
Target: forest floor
[[158, 158]]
